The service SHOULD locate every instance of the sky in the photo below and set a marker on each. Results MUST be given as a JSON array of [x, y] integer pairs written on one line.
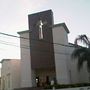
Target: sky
[[14, 18]]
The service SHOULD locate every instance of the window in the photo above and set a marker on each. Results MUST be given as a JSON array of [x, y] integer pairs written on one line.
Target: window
[[8, 80]]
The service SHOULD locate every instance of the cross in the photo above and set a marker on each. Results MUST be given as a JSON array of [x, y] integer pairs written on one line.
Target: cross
[[41, 29], [40, 24]]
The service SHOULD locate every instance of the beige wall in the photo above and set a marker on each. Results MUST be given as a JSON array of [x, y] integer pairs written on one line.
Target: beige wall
[[72, 66], [76, 76], [60, 37], [10, 74], [66, 68], [26, 75]]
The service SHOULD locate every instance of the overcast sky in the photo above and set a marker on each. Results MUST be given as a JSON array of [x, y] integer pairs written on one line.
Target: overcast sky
[[14, 18]]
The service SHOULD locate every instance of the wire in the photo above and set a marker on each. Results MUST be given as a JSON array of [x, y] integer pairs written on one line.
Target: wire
[[28, 47], [35, 39], [12, 35], [9, 43]]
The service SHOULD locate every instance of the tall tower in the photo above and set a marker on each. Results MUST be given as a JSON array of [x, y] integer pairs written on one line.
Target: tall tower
[[41, 44], [41, 39]]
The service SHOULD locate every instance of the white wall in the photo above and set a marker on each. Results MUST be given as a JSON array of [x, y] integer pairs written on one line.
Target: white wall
[[72, 66], [4, 71], [66, 68], [26, 75], [16, 73], [11, 68], [60, 36], [81, 76]]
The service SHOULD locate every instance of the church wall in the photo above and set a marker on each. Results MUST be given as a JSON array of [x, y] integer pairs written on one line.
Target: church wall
[[66, 68], [72, 65], [84, 75], [60, 36], [10, 74], [26, 69], [4, 71], [16, 73], [26, 77], [77, 76]]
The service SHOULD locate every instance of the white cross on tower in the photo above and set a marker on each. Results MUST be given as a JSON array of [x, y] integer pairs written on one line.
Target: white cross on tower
[[41, 29]]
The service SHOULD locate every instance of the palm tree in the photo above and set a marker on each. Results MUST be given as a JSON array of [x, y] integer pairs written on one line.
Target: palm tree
[[82, 53]]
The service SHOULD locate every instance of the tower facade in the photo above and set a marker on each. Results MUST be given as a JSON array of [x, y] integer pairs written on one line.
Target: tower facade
[[40, 61]]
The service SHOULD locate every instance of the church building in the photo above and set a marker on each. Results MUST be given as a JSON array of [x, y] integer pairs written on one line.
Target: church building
[[46, 53]]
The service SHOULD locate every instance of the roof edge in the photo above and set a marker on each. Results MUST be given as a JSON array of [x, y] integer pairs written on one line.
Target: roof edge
[[21, 32], [62, 24], [4, 60], [55, 25]]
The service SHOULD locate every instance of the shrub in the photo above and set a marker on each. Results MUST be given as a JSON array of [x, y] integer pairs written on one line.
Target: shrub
[[58, 86]]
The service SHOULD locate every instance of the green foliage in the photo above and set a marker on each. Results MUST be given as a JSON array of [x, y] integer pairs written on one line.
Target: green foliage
[[59, 86], [82, 54]]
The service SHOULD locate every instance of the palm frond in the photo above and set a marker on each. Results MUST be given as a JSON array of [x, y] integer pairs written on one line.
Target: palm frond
[[81, 60], [87, 39], [82, 38], [88, 66], [81, 54], [78, 52]]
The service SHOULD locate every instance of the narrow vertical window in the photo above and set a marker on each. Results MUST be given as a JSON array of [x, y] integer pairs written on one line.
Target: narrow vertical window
[[8, 80]]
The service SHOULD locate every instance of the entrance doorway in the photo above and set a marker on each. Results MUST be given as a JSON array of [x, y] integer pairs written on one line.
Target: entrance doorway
[[44, 77]]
